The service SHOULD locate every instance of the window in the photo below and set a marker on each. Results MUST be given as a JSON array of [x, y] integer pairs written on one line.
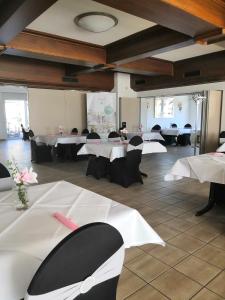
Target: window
[[164, 107]]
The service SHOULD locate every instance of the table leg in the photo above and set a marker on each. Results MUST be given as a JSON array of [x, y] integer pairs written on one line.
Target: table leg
[[144, 174], [211, 201]]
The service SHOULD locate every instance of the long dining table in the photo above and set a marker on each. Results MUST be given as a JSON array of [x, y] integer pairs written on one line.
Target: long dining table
[[113, 150], [26, 238]]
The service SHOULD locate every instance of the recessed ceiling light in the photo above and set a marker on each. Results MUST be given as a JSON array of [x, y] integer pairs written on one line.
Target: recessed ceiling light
[[96, 21]]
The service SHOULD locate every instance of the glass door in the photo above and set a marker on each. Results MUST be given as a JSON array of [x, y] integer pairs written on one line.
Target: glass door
[[16, 112]]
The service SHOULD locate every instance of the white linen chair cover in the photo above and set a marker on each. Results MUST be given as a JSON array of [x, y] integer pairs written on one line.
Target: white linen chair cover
[[132, 147], [6, 184], [109, 269]]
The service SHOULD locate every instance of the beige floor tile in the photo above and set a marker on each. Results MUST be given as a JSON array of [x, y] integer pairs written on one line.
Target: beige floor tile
[[186, 243], [166, 232], [169, 254], [147, 267], [176, 286], [213, 255], [128, 284], [202, 233], [219, 241], [205, 294], [147, 293], [131, 253], [197, 269], [179, 224], [218, 285]]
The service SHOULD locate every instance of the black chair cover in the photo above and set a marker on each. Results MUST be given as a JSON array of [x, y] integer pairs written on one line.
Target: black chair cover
[[3, 171], [74, 131], [85, 131], [156, 128], [222, 134], [25, 135], [173, 125], [113, 134], [31, 133], [97, 166], [40, 153], [184, 139], [76, 258], [93, 136], [125, 171], [187, 125]]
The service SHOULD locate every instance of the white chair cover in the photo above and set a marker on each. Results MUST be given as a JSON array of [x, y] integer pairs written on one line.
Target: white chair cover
[[109, 269], [6, 184]]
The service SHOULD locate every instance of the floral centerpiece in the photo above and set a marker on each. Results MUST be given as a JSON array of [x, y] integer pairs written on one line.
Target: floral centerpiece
[[22, 179], [124, 133]]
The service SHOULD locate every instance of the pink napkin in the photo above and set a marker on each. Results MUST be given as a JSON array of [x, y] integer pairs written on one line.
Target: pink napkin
[[65, 221]]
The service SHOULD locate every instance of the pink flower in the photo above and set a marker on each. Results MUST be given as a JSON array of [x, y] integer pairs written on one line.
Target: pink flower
[[26, 177]]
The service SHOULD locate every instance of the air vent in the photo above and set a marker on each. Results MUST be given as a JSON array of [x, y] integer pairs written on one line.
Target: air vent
[[192, 73], [70, 79], [140, 81]]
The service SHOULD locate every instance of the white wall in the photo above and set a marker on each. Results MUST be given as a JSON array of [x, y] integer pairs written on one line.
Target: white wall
[[181, 117], [50, 108]]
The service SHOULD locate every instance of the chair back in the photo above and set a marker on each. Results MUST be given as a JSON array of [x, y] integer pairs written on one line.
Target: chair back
[[134, 154], [156, 128], [4, 173], [31, 133], [84, 265], [174, 125], [187, 125], [92, 137], [222, 134], [114, 137], [74, 131], [85, 131]]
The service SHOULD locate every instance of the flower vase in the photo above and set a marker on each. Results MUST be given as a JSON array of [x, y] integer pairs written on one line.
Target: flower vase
[[22, 202]]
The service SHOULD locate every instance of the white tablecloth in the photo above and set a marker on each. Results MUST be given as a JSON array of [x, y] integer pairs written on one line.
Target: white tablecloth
[[53, 140], [147, 136], [117, 150], [176, 131], [221, 148], [205, 167], [27, 237]]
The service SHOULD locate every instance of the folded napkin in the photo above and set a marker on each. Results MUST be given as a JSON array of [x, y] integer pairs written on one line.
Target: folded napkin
[[65, 221]]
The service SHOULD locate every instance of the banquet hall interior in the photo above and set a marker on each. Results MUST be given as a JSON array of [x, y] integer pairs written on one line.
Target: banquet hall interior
[[112, 149]]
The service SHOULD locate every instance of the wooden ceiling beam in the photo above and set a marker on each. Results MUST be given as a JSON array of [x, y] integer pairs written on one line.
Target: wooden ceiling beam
[[36, 73], [211, 11], [152, 41], [52, 48], [17, 14], [174, 14], [211, 37], [147, 66]]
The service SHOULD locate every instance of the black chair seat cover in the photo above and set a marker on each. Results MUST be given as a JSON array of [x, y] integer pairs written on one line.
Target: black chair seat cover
[[40, 153], [77, 257], [125, 170], [113, 134], [184, 139], [4, 173]]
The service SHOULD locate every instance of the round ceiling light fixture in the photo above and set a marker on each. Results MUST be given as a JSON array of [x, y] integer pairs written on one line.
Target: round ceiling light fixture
[[96, 21]]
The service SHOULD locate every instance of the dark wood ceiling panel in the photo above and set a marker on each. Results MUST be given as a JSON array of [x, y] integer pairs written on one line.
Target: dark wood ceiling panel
[[197, 70], [35, 73], [165, 14], [15, 15], [40, 46], [152, 41]]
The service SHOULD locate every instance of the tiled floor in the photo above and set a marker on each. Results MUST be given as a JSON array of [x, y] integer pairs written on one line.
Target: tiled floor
[[192, 265]]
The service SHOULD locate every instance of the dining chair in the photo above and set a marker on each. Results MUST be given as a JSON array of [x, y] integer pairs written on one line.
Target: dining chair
[[187, 125], [40, 153], [125, 170], [174, 125], [85, 265], [6, 182], [85, 131], [156, 128], [114, 137]]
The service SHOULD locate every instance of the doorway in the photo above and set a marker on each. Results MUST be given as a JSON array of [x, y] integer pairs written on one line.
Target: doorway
[[16, 113]]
